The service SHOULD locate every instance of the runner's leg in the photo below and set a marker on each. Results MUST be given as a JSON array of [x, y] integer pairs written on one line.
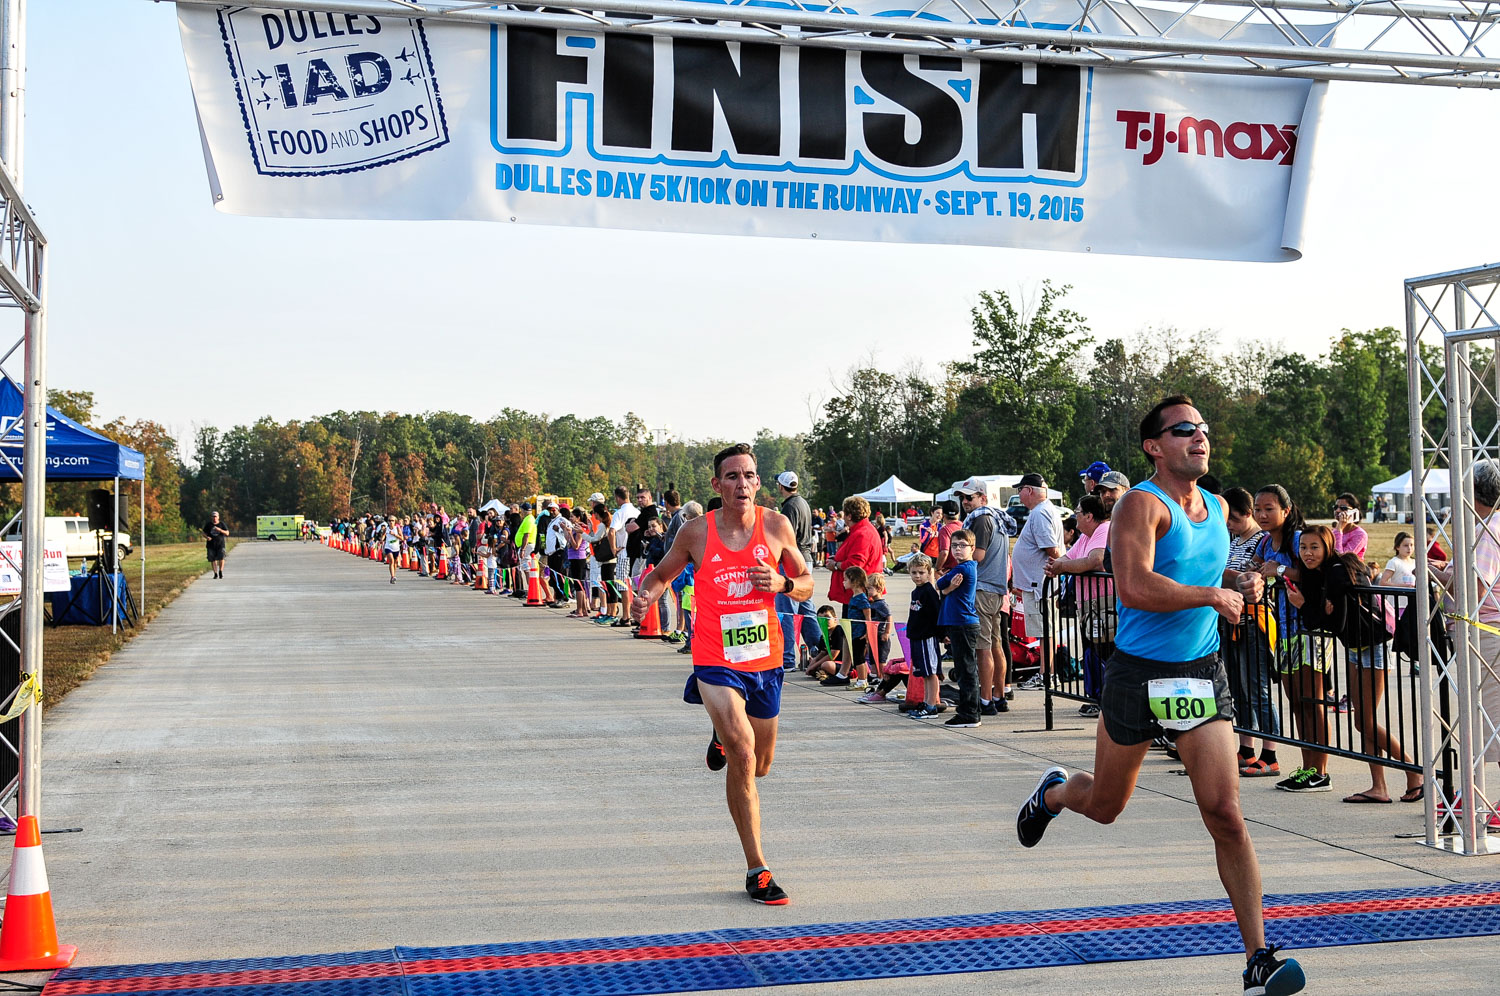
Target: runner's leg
[[1208, 753], [726, 708], [1101, 796]]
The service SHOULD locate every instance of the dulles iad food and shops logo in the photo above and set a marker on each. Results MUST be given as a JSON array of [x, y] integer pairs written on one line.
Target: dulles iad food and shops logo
[[323, 93]]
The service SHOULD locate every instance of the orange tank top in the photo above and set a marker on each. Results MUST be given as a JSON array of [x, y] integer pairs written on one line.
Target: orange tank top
[[735, 626]]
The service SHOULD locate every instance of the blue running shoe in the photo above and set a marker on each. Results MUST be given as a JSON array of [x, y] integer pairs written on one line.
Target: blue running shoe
[[1267, 975], [1032, 820]]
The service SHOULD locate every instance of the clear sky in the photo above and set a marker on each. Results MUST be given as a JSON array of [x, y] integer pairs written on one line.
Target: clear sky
[[167, 310]]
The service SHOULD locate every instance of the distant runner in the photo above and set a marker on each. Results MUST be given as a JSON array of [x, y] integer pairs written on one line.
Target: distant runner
[[1169, 544], [735, 552], [215, 535]]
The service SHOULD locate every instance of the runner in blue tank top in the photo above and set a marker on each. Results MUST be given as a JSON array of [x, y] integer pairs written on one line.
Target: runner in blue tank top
[[1168, 546]]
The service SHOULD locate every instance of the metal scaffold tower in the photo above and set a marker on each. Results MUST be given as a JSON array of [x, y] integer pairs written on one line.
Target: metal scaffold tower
[[1391, 41], [23, 287], [1452, 331]]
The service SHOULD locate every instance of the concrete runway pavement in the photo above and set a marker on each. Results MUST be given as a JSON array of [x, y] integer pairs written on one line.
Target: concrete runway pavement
[[303, 758]]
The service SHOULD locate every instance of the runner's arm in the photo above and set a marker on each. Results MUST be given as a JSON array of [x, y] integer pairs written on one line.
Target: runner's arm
[[1140, 521], [791, 562]]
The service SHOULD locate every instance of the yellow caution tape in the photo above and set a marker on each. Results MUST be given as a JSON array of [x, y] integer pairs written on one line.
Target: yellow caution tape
[[28, 693], [1486, 627]]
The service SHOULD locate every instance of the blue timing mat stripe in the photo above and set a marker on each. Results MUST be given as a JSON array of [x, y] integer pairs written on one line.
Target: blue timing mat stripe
[[748, 957]]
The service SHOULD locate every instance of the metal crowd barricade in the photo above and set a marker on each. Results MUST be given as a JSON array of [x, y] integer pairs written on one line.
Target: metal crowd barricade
[[1292, 685]]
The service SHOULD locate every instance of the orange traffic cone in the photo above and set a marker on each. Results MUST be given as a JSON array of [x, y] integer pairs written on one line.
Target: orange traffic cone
[[651, 621], [533, 584], [481, 576], [442, 574], [28, 937]]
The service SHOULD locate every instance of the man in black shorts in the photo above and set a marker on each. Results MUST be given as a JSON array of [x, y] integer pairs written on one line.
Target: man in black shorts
[[216, 535], [1169, 544]]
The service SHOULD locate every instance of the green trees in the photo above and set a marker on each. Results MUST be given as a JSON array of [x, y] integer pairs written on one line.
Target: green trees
[[1037, 393]]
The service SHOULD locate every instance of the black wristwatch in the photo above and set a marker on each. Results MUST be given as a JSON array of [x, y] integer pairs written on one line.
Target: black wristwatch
[[788, 586]]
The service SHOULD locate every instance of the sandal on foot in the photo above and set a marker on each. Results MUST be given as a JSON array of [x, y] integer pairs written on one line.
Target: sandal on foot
[[1414, 794], [1366, 798]]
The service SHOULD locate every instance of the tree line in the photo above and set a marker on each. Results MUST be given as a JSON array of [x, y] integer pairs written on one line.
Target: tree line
[[1037, 392]]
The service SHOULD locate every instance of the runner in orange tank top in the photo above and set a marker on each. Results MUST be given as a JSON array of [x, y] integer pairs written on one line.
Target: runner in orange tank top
[[742, 556]]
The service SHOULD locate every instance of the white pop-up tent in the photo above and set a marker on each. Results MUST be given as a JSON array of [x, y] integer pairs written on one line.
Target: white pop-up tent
[[1437, 480], [1399, 490], [999, 486], [893, 490]]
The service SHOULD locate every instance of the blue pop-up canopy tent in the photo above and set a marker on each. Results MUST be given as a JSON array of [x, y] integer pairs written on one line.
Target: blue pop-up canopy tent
[[74, 453]]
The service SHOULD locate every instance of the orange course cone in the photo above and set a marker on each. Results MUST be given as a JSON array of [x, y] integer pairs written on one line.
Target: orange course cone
[[442, 574], [651, 621], [481, 576], [533, 585], [28, 936]]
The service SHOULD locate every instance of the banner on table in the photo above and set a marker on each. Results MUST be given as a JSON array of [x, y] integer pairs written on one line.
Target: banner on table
[[320, 115], [54, 569]]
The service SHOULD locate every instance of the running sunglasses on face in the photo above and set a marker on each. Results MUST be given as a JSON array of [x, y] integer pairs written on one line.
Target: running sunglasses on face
[[1185, 430]]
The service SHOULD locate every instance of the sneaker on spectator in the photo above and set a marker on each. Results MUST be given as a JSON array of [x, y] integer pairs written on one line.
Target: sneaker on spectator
[[872, 697], [1256, 768], [836, 681], [1088, 710], [1032, 683], [1306, 780], [1010, 694], [959, 721], [938, 707], [988, 709], [685, 649], [1002, 706], [921, 711], [858, 685]]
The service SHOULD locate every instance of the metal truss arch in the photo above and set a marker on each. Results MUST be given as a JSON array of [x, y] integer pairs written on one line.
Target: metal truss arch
[[1453, 333], [1429, 43]]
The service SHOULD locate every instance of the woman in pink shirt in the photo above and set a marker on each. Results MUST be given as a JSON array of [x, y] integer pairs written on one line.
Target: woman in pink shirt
[[1347, 536]]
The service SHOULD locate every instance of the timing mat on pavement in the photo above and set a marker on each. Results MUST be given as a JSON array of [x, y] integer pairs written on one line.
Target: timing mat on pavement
[[747, 957]]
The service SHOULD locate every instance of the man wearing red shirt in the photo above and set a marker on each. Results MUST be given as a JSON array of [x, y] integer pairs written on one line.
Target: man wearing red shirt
[[951, 525], [861, 548]]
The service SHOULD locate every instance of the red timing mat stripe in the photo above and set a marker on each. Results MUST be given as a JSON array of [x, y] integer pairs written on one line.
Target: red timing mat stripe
[[713, 949]]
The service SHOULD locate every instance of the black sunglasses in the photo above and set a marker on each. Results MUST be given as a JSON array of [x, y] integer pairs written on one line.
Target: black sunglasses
[[1185, 430]]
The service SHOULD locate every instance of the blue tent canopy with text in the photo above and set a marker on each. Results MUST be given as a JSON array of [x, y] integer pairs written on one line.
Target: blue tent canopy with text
[[74, 453]]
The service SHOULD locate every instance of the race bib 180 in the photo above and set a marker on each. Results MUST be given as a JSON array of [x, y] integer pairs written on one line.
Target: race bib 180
[[1182, 703]]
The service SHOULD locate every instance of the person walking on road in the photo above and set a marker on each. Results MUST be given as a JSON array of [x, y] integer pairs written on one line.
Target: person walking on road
[[391, 546], [742, 556], [216, 534], [1169, 545]]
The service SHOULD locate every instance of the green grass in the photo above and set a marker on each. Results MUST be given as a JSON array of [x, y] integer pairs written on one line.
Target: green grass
[[71, 654]]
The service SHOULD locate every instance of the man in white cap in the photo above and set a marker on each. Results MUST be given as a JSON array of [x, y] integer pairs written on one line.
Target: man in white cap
[[992, 529], [799, 514]]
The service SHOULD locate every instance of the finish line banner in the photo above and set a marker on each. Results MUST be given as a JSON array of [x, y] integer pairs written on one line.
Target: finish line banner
[[308, 114]]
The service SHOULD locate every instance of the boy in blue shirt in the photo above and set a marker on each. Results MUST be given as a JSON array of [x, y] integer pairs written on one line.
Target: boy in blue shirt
[[960, 623]]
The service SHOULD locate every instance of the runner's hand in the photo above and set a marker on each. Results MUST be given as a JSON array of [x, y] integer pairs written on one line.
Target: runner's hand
[[1229, 604], [765, 578]]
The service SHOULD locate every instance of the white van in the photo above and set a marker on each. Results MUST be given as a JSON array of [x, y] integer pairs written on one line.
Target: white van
[[73, 532]]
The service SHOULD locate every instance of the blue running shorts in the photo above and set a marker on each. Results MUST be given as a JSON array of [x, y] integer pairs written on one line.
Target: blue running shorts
[[761, 690]]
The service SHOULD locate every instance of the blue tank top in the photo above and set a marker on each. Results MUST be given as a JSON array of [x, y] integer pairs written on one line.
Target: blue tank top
[[1191, 553]]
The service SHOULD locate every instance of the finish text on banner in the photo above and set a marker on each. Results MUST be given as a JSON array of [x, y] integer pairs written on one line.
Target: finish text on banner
[[316, 114]]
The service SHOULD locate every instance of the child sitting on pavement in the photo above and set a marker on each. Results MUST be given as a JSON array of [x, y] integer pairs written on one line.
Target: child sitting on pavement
[[826, 661]]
